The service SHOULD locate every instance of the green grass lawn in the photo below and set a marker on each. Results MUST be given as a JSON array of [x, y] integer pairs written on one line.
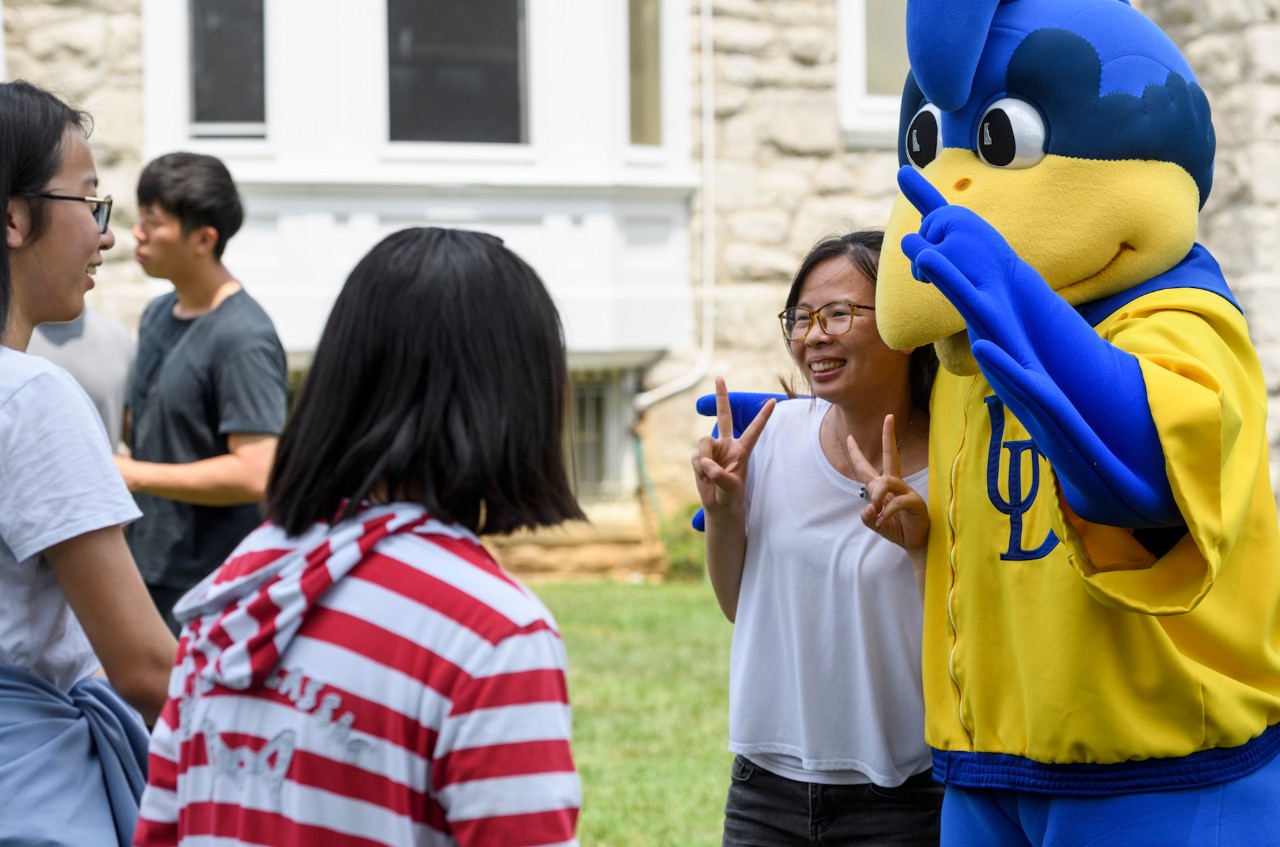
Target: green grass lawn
[[648, 679]]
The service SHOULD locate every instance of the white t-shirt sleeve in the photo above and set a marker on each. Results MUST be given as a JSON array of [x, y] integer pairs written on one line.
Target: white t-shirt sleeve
[[57, 477]]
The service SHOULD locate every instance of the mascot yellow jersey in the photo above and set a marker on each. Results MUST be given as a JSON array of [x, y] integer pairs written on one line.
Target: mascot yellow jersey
[[1102, 608], [1057, 642]]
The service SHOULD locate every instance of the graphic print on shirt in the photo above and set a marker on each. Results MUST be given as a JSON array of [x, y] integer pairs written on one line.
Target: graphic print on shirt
[[266, 767], [1018, 502], [304, 692]]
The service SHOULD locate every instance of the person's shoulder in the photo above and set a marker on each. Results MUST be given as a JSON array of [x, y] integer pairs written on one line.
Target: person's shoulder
[[796, 409], [159, 306], [244, 303], [239, 325], [244, 317], [107, 326], [20, 370], [442, 552], [17, 367]]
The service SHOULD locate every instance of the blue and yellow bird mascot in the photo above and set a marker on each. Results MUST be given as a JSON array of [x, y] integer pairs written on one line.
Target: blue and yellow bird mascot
[[1102, 620]]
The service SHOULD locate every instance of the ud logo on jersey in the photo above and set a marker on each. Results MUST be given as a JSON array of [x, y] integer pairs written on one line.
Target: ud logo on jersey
[[1019, 501]]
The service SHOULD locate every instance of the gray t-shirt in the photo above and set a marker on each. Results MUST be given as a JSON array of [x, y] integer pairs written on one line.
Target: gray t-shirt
[[98, 352], [194, 382]]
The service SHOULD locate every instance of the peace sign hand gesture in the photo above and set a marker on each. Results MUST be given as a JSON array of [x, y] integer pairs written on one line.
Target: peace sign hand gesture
[[896, 511], [720, 465]]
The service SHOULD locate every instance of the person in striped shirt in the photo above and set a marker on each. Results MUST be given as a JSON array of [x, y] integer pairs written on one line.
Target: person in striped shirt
[[360, 671]]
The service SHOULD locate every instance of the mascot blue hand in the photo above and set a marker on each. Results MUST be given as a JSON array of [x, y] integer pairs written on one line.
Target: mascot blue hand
[[744, 405], [1083, 400], [927, 200]]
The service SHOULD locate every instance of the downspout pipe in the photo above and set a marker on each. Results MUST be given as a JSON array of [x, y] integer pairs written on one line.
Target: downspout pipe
[[707, 313]]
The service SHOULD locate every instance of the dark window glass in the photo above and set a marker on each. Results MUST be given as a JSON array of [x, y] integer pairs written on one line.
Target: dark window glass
[[456, 70], [227, 61]]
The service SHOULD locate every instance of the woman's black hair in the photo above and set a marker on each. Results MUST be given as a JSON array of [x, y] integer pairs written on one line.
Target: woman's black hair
[[862, 249], [440, 378], [32, 124]]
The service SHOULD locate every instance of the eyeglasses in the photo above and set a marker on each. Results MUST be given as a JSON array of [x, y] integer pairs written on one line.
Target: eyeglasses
[[835, 318], [100, 206]]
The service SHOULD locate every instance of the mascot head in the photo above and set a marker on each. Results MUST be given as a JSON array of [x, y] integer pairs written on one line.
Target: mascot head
[[1074, 127]]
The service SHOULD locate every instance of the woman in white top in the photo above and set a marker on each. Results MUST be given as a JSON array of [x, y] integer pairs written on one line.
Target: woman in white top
[[72, 604], [826, 714]]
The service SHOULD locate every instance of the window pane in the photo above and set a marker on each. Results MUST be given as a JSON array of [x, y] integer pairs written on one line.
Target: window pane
[[646, 76], [590, 417], [886, 47], [227, 60], [456, 70]]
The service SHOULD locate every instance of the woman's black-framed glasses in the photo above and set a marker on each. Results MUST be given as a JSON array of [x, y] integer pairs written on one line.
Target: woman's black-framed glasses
[[836, 319], [100, 206]]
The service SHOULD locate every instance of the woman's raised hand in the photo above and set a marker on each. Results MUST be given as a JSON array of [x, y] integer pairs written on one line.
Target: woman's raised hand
[[720, 465], [895, 510]]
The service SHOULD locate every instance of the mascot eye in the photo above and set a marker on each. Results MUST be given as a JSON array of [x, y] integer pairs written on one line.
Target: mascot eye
[[1011, 134], [924, 136]]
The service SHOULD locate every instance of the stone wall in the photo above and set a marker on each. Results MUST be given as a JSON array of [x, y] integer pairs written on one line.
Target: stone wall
[[784, 179], [1234, 47], [89, 52]]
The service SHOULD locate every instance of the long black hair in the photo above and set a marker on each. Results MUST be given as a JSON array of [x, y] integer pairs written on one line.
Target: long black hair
[[440, 378], [862, 249], [32, 124]]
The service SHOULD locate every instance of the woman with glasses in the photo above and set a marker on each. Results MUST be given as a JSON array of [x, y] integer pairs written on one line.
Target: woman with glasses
[[826, 713], [72, 604], [359, 670]]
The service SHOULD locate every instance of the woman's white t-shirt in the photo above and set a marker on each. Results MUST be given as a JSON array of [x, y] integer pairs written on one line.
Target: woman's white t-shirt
[[57, 481], [824, 679]]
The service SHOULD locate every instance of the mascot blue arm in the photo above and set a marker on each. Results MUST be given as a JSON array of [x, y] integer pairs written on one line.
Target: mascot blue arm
[[1083, 400]]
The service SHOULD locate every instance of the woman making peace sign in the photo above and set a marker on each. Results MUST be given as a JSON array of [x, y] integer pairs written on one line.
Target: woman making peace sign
[[825, 707]]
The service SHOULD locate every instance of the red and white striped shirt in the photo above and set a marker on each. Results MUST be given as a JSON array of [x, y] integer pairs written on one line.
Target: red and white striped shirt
[[376, 682]]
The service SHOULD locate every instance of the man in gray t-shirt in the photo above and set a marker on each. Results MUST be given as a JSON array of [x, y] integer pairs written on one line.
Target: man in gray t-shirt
[[207, 395]]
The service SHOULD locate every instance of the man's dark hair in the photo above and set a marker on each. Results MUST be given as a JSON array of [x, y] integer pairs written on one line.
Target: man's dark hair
[[32, 124], [862, 249], [197, 190], [441, 379]]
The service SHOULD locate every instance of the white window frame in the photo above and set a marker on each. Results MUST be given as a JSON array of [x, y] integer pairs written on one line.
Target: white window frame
[[867, 120]]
